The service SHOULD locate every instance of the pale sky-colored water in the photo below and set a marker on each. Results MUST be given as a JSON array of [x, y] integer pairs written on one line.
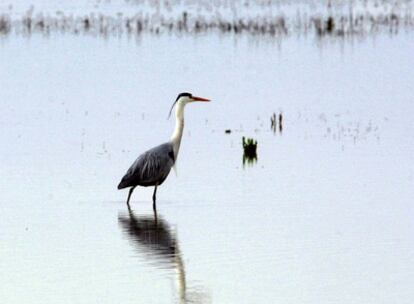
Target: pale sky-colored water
[[324, 216]]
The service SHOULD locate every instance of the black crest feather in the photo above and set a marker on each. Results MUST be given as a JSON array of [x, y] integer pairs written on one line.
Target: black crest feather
[[185, 94]]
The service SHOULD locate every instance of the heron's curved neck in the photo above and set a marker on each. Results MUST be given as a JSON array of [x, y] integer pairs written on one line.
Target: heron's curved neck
[[178, 130]]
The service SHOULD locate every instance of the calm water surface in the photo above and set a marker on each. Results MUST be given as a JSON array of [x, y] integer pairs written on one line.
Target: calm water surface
[[324, 216]]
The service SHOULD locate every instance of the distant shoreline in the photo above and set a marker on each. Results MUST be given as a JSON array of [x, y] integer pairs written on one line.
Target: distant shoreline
[[276, 21]]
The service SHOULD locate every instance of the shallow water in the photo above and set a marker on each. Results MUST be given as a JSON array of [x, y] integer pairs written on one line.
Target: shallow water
[[324, 216]]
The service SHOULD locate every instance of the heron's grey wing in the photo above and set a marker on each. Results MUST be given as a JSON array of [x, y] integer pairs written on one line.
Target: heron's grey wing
[[150, 168]]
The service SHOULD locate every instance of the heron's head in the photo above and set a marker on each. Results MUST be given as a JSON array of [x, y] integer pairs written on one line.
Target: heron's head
[[184, 98]]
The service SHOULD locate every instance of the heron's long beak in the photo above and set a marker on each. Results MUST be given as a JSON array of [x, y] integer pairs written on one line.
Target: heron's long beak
[[195, 98]]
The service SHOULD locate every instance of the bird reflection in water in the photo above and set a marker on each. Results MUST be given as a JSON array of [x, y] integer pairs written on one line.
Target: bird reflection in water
[[152, 236]]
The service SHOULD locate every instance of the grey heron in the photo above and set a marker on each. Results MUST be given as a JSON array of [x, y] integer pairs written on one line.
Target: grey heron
[[152, 167]]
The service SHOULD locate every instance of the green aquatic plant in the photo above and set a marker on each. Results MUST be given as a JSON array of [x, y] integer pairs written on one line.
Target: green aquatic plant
[[249, 150]]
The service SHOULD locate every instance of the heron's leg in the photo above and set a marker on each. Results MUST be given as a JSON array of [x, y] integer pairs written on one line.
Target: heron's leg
[[154, 198], [129, 194], [155, 216]]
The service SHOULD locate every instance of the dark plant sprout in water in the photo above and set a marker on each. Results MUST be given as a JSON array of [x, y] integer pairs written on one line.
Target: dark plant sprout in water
[[275, 121], [280, 122], [249, 151]]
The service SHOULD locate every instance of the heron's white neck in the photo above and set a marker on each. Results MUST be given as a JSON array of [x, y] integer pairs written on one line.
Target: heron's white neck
[[179, 126]]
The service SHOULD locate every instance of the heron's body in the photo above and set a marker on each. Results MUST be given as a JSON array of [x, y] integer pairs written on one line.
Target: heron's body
[[153, 166], [150, 168]]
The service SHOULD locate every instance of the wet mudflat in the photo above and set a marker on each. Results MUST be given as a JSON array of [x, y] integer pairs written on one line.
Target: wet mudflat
[[323, 215]]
